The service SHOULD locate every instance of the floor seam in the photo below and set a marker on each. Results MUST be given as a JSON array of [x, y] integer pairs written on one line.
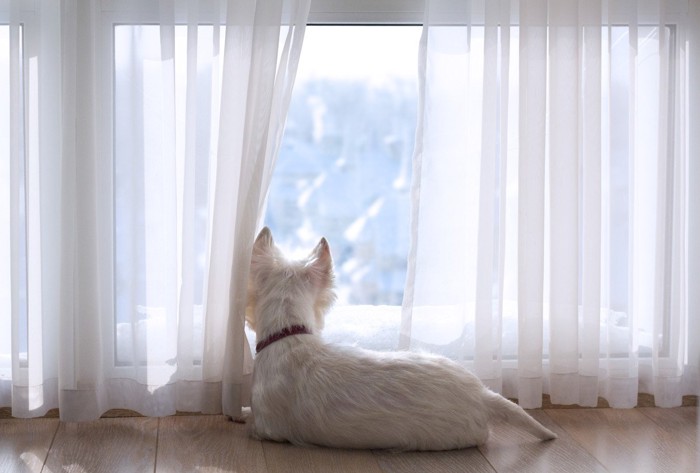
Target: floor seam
[[48, 450], [155, 459]]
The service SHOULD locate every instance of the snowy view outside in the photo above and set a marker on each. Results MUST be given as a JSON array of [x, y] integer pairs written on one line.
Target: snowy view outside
[[344, 168]]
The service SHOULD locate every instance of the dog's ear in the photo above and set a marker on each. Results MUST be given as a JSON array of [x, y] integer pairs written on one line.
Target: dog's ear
[[320, 271], [320, 262], [264, 242], [263, 247]]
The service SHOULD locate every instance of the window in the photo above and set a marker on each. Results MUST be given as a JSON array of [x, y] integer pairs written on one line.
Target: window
[[343, 171]]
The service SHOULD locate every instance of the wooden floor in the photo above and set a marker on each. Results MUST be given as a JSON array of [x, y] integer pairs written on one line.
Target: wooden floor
[[633, 440]]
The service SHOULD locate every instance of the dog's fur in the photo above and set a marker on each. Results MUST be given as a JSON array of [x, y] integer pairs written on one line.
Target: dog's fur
[[311, 393]]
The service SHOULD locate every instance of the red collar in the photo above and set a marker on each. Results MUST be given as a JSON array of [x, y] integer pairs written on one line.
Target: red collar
[[287, 332]]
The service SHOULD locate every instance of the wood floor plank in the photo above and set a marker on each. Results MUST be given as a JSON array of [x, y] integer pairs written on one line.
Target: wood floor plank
[[682, 422], [284, 457], [24, 444], [114, 445], [468, 460], [207, 444], [511, 449], [627, 440]]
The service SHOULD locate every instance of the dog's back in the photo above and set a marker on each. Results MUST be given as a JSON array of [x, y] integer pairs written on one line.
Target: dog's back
[[351, 398]]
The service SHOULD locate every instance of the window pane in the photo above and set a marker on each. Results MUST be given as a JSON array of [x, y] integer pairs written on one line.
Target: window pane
[[344, 168]]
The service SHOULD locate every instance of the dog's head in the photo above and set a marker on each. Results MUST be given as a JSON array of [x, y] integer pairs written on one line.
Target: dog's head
[[278, 289]]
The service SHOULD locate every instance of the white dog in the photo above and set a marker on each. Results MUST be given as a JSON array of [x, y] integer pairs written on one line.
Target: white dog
[[311, 393]]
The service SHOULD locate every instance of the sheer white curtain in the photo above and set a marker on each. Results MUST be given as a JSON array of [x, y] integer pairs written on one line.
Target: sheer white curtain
[[141, 137], [550, 237]]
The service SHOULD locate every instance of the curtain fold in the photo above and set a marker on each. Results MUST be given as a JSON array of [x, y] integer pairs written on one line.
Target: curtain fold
[[143, 137], [550, 133]]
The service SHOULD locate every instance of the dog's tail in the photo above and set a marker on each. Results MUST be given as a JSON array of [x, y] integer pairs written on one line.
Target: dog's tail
[[502, 408]]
